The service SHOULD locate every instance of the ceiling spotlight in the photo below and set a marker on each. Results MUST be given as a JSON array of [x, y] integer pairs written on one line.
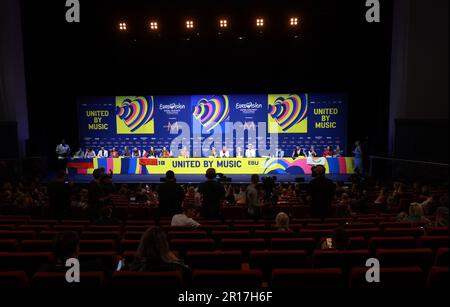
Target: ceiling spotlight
[[293, 21], [153, 25], [223, 23], [189, 24], [259, 22], [122, 26]]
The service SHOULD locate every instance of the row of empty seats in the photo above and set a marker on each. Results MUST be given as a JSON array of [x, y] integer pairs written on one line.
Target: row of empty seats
[[405, 277]]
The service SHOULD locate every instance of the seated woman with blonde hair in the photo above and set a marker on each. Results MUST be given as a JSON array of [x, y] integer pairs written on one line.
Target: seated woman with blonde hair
[[282, 221], [415, 214]]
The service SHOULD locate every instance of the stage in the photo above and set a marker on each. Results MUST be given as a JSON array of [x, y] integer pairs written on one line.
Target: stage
[[194, 178], [187, 170]]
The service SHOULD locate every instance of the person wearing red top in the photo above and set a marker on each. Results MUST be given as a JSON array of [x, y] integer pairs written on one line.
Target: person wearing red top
[[328, 152], [114, 153]]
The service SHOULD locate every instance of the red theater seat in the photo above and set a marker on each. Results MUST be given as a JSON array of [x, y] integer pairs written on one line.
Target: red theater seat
[[149, 280], [14, 279], [35, 227], [421, 257], [407, 277], [403, 231], [234, 212], [99, 235], [307, 278], [210, 228], [17, 234], [230, 234], [359, 225], [242, 244], [106, 260], [28, 262], [355, 243], [340, 259], [433, 242], [322, 225], [216, 260], [128, 245], [97, 245], [7, 227], [58, 280], [391, 242], [8, 245], [47, 234], [75, 222], [36, 246], [267, 234], [437, 231], [268, 260], [315, 233], [133, 235], [103, 228], [438, 278], [441, 257], [250, 227], [306, 244], [184, 245], [62, 227], [363, 232], [233, 279], [187, 234]]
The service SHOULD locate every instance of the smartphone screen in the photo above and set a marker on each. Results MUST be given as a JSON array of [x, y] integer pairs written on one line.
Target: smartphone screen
[[119, 265]]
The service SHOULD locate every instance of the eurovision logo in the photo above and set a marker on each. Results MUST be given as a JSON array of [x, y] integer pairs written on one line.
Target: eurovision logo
[[135, 112], [211, 112], [288, 111]]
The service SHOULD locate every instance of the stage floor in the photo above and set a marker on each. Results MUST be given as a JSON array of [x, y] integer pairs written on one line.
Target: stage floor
[[193, 178]]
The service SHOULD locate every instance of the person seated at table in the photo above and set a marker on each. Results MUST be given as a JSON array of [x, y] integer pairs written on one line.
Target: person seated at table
[[90, 153], [238, 152], [136, 153], [338, 152], [102, 153], [126, 152], [165, 153], [184, 153], [114, 153], [79, 154], [224, 153], [151, 153], [213, 152], [312, 152], [328, 152], [250, 152], [279, 153]]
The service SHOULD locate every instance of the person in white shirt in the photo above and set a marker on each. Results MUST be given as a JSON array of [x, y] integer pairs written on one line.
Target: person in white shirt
[[250, 152], [312, 152], [102, 153], [90, 153], [185, 218], [238, 152], [224, 153], [62, 152], [213, 152], [79, 154]]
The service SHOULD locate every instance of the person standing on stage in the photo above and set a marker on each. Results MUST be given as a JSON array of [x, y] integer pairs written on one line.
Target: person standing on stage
[[224, 153], [114, 153], [62, 152], [250, 152], [338, 152], [312, 152], [102, 153], [328, 153], [90, 154], [136, 153], [238, 152], [358, 158], [212, 193], [126, 152]]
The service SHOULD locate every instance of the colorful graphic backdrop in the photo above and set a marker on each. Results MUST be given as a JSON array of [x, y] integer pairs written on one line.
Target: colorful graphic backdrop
[[302, 119]]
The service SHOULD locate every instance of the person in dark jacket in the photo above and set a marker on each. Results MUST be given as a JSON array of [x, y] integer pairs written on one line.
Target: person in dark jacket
[[212, 192], [106, 218], [153, 254], [321, 190], [59, 196], [170, 196]]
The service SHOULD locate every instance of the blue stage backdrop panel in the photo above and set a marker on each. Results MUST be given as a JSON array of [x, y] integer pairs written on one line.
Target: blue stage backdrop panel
[[303, 119]]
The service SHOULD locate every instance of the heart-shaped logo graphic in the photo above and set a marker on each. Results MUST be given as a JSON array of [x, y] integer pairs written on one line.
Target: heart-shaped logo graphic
[[288, 111], [136, 112], [211, 112]]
